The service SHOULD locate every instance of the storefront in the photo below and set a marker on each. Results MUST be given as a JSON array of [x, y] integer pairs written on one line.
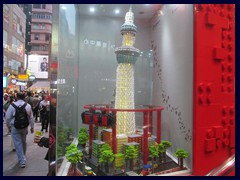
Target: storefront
[[165, 56]]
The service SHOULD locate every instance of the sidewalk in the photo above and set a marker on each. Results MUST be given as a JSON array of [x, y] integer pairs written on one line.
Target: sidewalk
[[35, 166]]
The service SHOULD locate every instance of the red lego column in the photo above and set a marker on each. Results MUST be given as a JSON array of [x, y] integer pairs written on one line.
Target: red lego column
[[150, 122], [91, 135], [214, 77], [114, 135], [145, 138], [158, 127]]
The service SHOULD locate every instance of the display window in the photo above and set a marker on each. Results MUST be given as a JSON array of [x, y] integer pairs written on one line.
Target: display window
[[124, 85]]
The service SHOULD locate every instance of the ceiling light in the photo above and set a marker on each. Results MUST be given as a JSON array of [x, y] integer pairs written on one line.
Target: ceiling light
[[64, 7], [92, 9], [117, 11]]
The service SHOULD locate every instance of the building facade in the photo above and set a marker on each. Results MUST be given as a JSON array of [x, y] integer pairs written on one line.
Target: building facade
[[41, 28], [14, 25]]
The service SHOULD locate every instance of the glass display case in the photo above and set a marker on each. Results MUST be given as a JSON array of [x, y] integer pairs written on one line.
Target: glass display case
[[129, 91]]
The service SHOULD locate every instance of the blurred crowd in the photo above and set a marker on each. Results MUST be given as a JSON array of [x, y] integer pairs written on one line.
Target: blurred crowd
[[39, 103]]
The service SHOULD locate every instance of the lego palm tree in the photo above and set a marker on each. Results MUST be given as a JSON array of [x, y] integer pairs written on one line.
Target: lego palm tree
[[73, 155], [161, 151], [166, 144], [131, 153], [153, 150], [83, 137], [106, 156], [118, 161], [181, 154]]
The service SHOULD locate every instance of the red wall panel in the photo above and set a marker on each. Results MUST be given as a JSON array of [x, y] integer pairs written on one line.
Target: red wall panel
[[214, 88]]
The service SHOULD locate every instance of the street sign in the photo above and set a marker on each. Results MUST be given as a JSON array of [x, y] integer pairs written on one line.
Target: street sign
[[23, 77], [32, 78]]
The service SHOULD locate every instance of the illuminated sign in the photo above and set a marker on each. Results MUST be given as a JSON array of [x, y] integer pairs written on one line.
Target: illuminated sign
[[38, 65], [23, 77], [14, 81], [20, 83], [32, 78], [5, 81]]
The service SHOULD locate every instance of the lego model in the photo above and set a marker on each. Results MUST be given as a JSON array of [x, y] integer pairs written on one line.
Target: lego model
[[115, 146], [73, 155], [181, 154]]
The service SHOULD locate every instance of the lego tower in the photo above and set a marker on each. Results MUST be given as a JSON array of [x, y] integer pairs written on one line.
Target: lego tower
[[126, 57]]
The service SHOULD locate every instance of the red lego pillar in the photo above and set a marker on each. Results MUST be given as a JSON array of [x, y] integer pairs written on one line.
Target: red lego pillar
[[91, 135], [114, 135], [158, 126], [150, 122], [214, 82], [107, 111], [145, 138]]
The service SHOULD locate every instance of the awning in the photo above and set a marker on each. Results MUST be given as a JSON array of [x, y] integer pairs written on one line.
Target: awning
[[39, 85]]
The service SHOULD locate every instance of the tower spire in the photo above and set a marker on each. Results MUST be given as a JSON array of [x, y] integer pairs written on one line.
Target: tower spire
[[130, 8]]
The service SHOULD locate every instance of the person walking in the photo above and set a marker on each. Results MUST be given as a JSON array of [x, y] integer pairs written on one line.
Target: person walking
[[35, 107], [44, 112], [29, 99], [5, 97], [5, 107], [19, 136]]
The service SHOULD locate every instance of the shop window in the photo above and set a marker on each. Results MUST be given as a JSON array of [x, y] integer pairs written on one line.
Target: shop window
[[14, 22], [42, 26], [36, 36], [45, 48], [35, 26], [35, 48], [5, 61], [5, 37], [37, 6], [6, 13], [47, 37]]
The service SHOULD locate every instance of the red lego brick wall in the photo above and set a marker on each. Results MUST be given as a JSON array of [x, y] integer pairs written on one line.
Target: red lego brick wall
[[214, 86]]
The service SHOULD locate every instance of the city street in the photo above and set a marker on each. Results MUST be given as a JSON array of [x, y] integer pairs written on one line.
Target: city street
[[35, 166]]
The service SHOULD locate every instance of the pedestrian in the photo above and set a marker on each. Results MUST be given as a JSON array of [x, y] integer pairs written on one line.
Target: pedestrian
[[44, 112], [50, 142], [36, 102], [5, 107], [5, 97], [29, 98], [20, 135]]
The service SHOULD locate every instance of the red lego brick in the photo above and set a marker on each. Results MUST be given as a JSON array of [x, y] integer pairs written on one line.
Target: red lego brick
[[210, 145], [226, 142], [232, 136], [211, 18], [219, 53], [219, 143], [218, 132], [95, 119], [226, 132], [224, 23]]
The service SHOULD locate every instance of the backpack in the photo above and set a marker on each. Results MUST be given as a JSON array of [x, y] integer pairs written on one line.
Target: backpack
[[21, 116]]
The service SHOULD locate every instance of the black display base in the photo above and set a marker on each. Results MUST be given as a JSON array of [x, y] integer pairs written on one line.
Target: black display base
[[99, 170]]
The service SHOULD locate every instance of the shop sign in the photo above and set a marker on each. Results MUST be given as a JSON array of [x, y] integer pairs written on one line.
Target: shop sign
[[5, 81], [20, 83], [13, 81], [23, 77], [32, 78]]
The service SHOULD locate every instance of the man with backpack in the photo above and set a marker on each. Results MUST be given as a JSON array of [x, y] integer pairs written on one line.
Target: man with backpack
[[19, 116]]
